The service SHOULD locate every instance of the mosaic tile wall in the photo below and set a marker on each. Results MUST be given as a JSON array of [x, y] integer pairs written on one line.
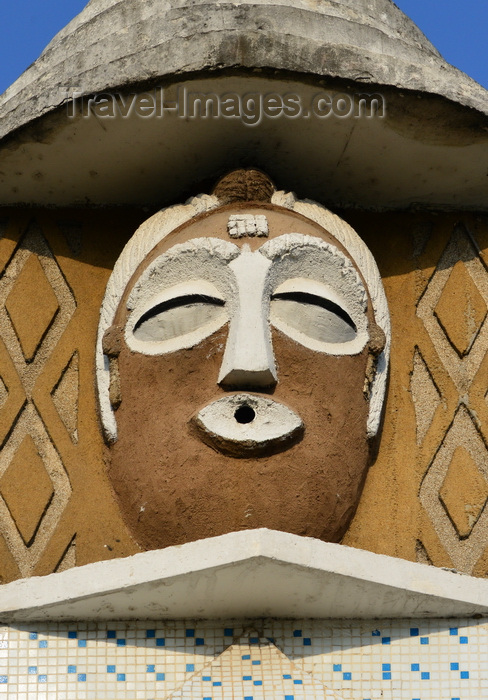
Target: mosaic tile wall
[[282, 660]]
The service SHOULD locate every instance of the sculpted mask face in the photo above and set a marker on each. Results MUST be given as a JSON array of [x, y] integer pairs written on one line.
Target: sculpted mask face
[[241, 355]]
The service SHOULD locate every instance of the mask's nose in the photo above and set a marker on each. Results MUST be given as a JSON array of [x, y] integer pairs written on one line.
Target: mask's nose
[[248, 361]]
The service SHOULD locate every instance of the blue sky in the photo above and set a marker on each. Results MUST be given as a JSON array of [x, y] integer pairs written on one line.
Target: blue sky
[[457, 28]]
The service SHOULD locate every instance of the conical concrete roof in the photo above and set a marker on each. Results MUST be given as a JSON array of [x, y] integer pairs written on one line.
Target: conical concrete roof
[[428, 146], [114, 43]]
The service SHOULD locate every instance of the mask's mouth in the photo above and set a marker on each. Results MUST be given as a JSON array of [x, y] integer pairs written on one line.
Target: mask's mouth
[[245, 425]]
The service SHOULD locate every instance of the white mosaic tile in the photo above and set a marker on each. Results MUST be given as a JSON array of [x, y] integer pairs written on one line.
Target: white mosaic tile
[[276, 660]]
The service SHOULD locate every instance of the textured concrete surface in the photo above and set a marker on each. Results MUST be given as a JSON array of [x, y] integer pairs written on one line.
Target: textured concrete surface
[[256, 573]]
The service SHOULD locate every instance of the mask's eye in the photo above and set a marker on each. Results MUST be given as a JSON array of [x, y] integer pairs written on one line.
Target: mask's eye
[[180, 316], [314, 316]]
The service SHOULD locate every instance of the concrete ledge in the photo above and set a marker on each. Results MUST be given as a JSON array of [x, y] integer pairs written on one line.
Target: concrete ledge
[[255, 573]]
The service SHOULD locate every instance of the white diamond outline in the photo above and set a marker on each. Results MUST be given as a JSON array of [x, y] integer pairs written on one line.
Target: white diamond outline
[[461, 370], [462, 432], [30, 371], [31, 424]]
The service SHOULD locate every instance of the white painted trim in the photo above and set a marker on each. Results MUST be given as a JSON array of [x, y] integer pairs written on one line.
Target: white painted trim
[[248, 574]]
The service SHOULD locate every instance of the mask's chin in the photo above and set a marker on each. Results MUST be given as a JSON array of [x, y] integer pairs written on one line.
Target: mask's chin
[[247, 425]]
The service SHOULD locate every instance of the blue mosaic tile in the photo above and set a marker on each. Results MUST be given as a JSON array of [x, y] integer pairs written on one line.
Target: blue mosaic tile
[[424, 640], [33, 635], [219, 683], [464, 674], [190, 633], [71, 669], [307, 642], [150, 634], [337, 667], [376, 633], [247, 678], [453, 631], [346, 676], [425, 675], [386, 667], [160, 676], [42, 678], [190, 668], [160, 642], [385, 640], [3, 679], [414, 632], [199, 642], [206, 678], [111, 634], [121, 676], [415, 667], [297, 633], [32, 670], [43, 644], [454, 666], [256, 663], [82, 642], [110, 669], [246, 656], [386, 675], [463, 640], [120, 642], [82, 677], [150, 668], [228, 632], [72, 635]]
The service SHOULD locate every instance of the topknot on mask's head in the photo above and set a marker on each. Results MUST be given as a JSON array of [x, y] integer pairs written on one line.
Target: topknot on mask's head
[[248, 185]]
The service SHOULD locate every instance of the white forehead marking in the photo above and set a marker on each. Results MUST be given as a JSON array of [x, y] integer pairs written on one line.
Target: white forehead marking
[[240, 225]]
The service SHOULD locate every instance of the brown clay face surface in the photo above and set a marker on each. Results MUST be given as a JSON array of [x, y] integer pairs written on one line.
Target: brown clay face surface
[[174, 488]]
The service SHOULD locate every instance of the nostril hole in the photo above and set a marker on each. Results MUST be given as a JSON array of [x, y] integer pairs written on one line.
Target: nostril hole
[[245, 414]]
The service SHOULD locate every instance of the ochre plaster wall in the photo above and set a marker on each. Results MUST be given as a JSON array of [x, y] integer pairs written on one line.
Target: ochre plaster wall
[[425, 494]]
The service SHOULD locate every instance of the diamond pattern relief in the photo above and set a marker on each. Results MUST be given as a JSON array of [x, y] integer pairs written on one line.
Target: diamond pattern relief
[[26, 474], [31, 290], [463, 549], [36, 305], [464, 492], [461, 309], [34, 254], [30, 425], [454, 310]]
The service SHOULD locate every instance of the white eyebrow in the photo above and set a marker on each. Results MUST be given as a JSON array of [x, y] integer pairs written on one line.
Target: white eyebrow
[[284, 245], [177, 255]]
